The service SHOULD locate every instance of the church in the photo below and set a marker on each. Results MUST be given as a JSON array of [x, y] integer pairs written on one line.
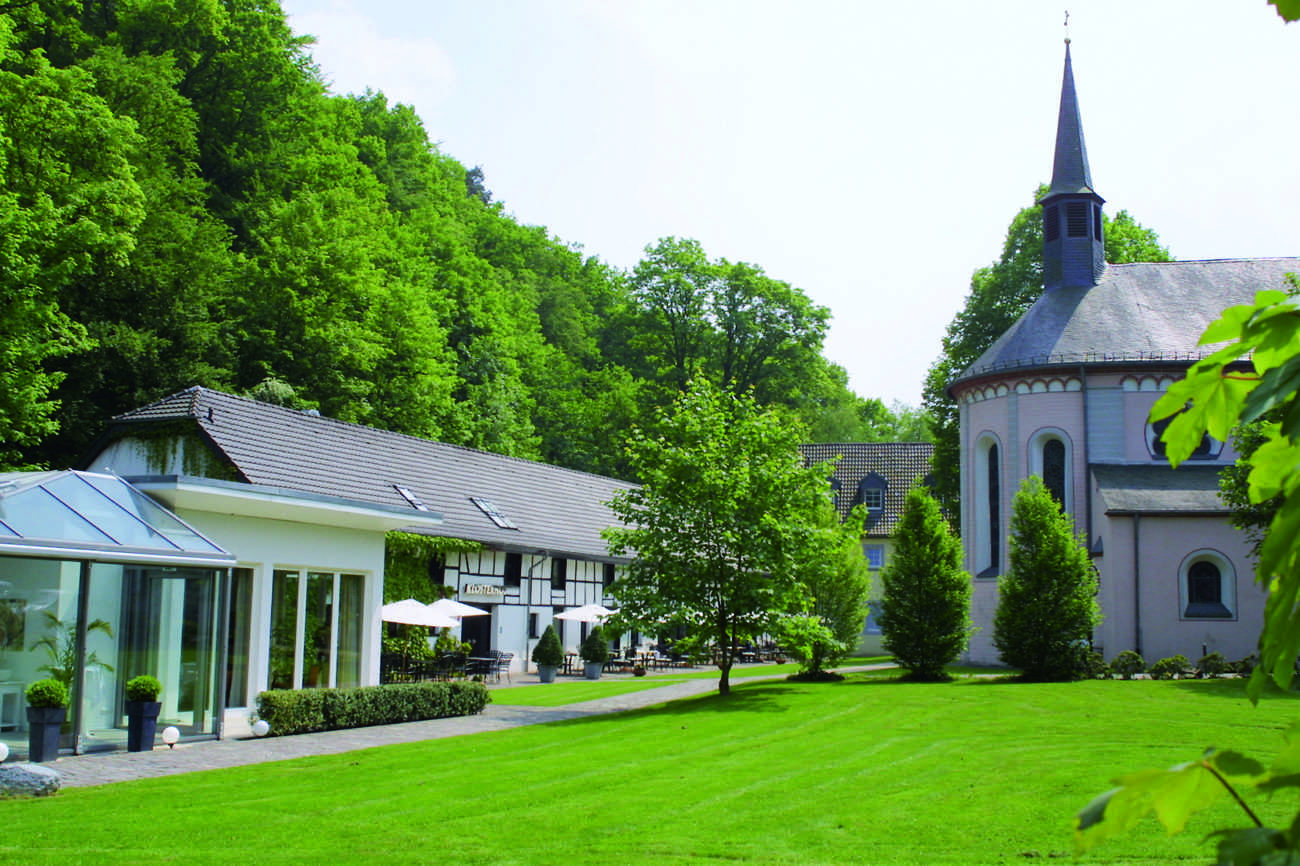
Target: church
[[1065, 393]]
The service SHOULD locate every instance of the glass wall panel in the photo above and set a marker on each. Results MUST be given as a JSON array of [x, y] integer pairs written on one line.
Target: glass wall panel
[[319, 629], [237, 648], [38, 615], [351, 615], [284, 629]]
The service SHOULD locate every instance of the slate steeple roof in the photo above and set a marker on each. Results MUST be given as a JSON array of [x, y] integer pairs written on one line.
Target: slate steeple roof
[[1070, 171]]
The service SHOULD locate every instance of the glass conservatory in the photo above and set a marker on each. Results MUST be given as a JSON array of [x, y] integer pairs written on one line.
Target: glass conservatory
[[99, 584]]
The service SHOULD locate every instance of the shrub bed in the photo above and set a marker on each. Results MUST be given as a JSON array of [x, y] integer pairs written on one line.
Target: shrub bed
[[301, 711]]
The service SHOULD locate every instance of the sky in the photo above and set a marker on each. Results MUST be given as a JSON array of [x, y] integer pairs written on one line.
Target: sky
[[870, 153]]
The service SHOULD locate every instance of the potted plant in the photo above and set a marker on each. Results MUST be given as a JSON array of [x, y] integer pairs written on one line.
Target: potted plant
[[47, 707], [548, 655], [142, 708], [595, 652]]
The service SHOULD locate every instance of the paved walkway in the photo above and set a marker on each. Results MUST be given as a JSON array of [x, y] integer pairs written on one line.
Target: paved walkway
[[101, 768]]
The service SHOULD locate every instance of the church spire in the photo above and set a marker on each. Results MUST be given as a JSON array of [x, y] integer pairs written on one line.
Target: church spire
[[1073, 249]]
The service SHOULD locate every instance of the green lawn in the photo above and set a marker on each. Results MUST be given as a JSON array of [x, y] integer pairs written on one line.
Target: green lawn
[[867, 771]]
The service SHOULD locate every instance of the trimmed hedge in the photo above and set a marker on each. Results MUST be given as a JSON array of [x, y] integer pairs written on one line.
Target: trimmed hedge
[[301, 711]]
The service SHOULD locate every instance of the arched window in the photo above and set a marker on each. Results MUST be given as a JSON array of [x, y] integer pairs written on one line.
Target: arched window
[[987, 507], [1207, 586], [1208, 449], [1049, 459]]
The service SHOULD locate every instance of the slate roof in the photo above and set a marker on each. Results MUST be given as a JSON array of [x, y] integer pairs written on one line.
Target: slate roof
[[901, 464], [1070, 172], [1149, 311], [557, 510], [1158, 489]]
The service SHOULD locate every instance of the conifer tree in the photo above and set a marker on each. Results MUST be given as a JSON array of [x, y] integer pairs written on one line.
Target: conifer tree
[[1047, 600], [925, 608]]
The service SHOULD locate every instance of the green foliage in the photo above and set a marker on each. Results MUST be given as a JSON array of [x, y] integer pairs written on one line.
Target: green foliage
[[413, 565], [595, 648], [1288, 9], [548, 651], [1220, 392], [60, 644], [1047, 600], [1213, 665], [1170, 668], [726, 519], [47, 693], [412, 642], [1127, 665], [1000, 293], [301, 711], [143, 688], [838, 584], [925, 606]]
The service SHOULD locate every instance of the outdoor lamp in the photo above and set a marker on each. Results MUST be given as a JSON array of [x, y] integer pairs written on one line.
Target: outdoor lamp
[[170, 735], [261, 727]]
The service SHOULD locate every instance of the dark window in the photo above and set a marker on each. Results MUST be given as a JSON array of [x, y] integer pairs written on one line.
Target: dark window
[[1076, 219], [995, 507], [532, 625], [609, 574], [559, 573], [1096, 222], [514, 568], [1205, 591], [1051, 223], [1054, 469], [1204, 449]]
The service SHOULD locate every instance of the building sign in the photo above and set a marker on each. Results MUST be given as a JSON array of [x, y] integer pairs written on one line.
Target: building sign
[[482, 592]]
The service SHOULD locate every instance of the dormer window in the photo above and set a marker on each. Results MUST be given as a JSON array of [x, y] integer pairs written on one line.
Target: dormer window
[[871, 493]]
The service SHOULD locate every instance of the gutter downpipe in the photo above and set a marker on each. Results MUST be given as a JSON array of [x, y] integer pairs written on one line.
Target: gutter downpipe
[[1087, 466], [528, 604], [1137, 583]]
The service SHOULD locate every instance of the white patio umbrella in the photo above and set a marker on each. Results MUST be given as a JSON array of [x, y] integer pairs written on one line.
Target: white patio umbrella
[[451, 607], [587, 613], [412, 612]]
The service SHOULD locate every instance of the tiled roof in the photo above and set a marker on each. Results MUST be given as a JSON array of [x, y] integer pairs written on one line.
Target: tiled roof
[[901, 464], [558, 510], [1158, 489], [1149, 311]]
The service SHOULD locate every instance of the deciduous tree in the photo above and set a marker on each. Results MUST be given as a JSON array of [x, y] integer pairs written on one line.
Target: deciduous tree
[[726, 516]]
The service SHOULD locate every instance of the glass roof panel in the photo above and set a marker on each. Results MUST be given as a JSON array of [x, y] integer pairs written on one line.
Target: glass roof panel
[[37, 513], [82, 507], [162, 520]]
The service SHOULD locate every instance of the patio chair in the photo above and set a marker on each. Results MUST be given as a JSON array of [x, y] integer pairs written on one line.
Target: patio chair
[[502, 665]]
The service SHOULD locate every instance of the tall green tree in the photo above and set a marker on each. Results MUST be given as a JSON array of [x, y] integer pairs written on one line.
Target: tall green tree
[[1000, 293], [1047, 600], [837, 584], [725, 518], [925, 604]]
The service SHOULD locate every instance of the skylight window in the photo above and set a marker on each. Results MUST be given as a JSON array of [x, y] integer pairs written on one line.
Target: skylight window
[[489, 508], [410, 497]]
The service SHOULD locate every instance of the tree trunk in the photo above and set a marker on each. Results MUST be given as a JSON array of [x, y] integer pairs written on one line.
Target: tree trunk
[[724, 681]]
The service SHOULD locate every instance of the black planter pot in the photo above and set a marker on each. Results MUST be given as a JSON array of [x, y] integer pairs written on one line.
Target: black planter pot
[[141, 724], [43, 726]]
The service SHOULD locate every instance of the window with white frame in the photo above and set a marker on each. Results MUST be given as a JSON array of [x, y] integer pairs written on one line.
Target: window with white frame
[[1049, 458], [987, 507], [1207, 586]]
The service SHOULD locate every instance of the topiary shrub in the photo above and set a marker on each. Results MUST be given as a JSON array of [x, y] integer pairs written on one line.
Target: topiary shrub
[[1213, 665], [1245, 667], [595, 648], [300, 711], [47, 693], [1095, 667], [1169, 668], [548, 650], [1127, 665], [144, 688]]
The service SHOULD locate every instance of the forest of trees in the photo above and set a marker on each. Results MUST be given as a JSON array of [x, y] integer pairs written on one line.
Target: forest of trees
[[183, 203]]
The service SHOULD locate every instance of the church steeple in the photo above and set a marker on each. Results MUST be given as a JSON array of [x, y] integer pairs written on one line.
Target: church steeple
[[1073, 246]]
